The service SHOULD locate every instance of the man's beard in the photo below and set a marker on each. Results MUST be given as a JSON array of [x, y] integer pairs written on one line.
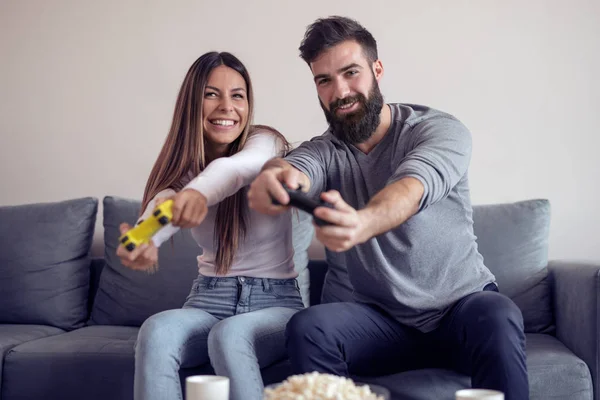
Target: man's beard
[[358, 126]]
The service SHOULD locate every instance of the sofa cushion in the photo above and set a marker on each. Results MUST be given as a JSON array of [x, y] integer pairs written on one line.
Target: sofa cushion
[[554, 372], [95, 363], [513, 239], [13, 335], [44, 262], [127, 297]]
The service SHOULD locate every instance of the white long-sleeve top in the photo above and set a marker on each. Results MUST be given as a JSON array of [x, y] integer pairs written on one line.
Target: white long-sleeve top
[[266, 251]]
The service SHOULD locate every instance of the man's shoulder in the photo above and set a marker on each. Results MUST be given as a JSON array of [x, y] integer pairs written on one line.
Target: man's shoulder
[[326, 140], [414, 114]]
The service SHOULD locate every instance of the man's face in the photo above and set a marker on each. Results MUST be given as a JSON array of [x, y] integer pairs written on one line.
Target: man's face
[[348, 88]]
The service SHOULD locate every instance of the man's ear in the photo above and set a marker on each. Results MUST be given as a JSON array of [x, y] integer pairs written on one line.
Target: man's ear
[[378, 69]]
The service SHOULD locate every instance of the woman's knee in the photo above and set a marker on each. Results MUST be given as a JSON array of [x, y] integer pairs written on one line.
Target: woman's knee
[[225, 333], [155, 331], [229, 339], [169, 330]]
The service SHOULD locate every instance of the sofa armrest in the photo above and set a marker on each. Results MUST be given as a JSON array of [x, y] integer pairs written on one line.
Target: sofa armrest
[[576, 288]]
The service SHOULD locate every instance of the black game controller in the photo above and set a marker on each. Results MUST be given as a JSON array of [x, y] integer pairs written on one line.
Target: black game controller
[[300, 200]]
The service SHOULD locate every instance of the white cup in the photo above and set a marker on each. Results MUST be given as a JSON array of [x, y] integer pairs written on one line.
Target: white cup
[[206, 387], [479, 394]]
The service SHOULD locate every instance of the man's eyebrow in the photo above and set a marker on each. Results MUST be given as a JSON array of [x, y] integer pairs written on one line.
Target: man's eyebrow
[[233, 90], [346, 68], [339, 71]]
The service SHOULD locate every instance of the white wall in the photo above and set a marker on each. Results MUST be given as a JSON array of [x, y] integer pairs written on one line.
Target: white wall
[[87, 90]]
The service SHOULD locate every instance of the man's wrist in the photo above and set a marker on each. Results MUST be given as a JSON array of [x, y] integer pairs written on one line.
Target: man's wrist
[[367, 221], [275, 163]]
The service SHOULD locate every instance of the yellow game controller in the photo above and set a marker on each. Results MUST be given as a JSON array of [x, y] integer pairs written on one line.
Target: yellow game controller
[[145, 229]]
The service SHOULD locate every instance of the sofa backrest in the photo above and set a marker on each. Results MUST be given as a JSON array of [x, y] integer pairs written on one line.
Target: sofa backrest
[[513, 239], [44, 262], [44, 252]]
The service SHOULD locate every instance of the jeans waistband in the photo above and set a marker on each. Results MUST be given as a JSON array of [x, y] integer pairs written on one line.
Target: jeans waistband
[[211, 281]]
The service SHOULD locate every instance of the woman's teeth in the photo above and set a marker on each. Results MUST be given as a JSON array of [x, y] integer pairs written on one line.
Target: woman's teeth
[[223, 122]]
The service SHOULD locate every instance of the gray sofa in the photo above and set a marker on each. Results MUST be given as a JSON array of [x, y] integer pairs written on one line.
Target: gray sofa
[[68, 323]]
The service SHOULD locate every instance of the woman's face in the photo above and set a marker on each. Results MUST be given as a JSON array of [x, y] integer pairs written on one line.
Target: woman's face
[[225, 109]]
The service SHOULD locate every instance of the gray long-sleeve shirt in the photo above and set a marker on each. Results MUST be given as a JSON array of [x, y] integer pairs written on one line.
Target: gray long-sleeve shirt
[[416, 271]]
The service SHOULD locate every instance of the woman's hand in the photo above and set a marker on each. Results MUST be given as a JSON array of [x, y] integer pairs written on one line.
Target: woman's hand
[[142, 258], [189, 208]]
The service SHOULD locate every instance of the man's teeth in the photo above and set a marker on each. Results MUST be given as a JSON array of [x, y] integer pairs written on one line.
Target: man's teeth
[[346, 105], [223, 122]]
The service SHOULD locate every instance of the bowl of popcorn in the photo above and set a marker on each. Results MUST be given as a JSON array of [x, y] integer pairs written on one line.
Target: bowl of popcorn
[[317, 386]]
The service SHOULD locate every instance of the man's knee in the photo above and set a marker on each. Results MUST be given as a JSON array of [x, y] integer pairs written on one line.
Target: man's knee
[[307, 325], [495, 315]]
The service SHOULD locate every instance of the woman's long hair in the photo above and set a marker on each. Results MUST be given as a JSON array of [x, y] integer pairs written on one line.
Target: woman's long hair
[[184, 153]]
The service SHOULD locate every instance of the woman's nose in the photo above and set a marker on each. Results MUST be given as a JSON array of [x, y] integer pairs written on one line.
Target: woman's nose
[[226, 105]]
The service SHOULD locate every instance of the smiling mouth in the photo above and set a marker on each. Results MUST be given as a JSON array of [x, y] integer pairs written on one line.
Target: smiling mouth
[[346, 107], [226, 123]]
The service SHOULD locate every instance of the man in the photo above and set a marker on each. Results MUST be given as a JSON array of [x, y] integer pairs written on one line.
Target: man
[[401, 226]]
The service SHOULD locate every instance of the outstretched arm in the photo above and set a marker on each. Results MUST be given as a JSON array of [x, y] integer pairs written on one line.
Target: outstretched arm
[[388, 209], [224, 176], [438, 159], [268, 186], [304, 166]]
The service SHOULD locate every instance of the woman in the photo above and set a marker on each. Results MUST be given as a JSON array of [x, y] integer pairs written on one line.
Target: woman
[[246, 291]]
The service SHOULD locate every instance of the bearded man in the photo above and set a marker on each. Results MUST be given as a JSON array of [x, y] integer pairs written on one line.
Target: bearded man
[[406, 286]]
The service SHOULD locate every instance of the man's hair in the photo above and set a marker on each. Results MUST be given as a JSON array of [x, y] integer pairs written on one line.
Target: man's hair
[[326, 33]]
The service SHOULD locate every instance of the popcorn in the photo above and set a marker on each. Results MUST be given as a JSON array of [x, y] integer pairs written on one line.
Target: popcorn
[[316, 386]]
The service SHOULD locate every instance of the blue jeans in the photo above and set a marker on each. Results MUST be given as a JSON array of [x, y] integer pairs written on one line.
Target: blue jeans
[[236, 323], [481, 336]]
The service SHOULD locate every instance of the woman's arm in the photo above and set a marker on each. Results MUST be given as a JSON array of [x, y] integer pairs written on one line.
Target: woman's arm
[[224, 176]]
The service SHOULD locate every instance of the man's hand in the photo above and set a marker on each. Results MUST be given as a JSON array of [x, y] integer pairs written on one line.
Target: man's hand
[[350, 227], [142, 258], [189, 208], [268, 186], [389, 208]]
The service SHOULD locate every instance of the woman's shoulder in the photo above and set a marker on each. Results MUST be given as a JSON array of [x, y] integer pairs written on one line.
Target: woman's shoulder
[[270, 134], [263, 130]]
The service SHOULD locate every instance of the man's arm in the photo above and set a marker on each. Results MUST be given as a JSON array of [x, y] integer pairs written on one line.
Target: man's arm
[[268, 186], [392, 206], [389, 208], [291, 179], [425, 175], [304, 166]]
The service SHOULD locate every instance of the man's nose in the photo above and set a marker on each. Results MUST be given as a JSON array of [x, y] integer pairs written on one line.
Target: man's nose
[[342, 90]]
